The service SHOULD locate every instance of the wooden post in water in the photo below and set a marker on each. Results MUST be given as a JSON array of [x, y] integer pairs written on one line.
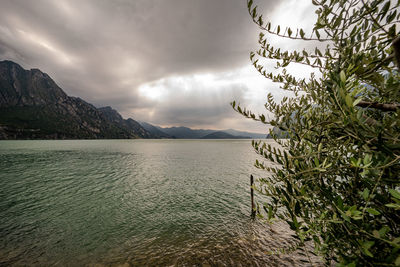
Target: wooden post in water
[[253, 206]]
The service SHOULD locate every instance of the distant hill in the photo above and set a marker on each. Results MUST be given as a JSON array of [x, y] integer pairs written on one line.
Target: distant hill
[[247, 134], [223, 135], [185, 132], [188, 133], [32, 106], [156, 132]]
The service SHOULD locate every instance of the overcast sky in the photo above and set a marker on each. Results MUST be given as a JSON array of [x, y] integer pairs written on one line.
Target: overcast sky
[[167, 62]]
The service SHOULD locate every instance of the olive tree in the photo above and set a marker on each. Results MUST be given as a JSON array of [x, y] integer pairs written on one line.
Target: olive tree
[[336, 181]]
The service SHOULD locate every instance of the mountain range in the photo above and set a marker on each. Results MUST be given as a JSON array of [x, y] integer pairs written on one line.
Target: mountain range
[[188, 133], [33, 106]]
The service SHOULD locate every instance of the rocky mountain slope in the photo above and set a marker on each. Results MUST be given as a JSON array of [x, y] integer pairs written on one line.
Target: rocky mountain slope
[[32, 106]]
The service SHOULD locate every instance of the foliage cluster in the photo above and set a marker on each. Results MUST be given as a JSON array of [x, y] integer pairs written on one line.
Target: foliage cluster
[[336, 181]]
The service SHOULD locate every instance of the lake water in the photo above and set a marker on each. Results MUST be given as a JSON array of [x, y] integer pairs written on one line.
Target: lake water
[[133, 202]]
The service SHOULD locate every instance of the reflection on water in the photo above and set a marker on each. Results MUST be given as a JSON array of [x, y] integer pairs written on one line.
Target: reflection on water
[[133, 202]]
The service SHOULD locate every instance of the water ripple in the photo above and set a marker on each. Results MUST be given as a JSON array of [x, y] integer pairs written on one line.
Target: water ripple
[[133, 202]]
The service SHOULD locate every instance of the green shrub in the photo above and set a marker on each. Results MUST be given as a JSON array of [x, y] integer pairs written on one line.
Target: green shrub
[[338, 172]]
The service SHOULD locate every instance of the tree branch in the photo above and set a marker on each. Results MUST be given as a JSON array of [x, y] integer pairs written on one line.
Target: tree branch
[[380, 106]]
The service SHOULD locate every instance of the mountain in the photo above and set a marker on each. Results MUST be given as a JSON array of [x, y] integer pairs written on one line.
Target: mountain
[[188, 133], [250, 135], [128, 126], [156, 132], [223, 135], [185, 132], [33, 106]]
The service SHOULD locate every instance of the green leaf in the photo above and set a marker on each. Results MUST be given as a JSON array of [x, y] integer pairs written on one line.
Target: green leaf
[[249, 4], [343, 76], [385, 9], [373, 211], [391, 16], [365, 193], [394, 193], [345, 217], [254, 12], [397, 262], [319, 147], [383, 231], [367, 159], [301, 33], [260, 21], [316, 161], [349, 101], [358, 100], [270, 213], [393, 205], [376, 234], [366, 246], [252, 55], [317, 34], [367, 252], [354, 162]]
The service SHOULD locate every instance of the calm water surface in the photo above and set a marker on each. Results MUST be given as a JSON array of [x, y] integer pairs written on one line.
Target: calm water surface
[[133, 202]]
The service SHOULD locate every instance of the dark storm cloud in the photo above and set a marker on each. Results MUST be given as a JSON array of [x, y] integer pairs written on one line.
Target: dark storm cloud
[[103, 51]]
